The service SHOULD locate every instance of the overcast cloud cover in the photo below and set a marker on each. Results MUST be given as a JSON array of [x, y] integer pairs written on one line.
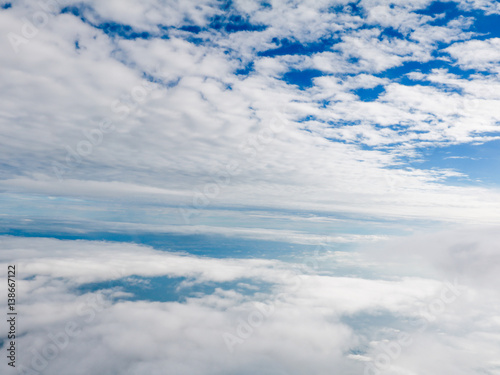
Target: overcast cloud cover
[[241, 187]]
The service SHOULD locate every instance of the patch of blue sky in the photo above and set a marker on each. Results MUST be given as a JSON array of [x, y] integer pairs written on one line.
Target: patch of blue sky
[[191, 29], [74, 10], [71, 222], [342, 123], [224, 23], [6, 5], [155, 79], [226, 5], [320, 224], [217, 246], [400, 73], [246, 70], [292, 47], [306, 119], [391, 33], [481, 163], [195, 40], [65, 218], [110, 28], [371, 94], [352, 8], [213, 246], [303, 79], [80, 11], [485, 25], [233, 23], [89, 213], [172, 289], [266, 5], [114, 29], [29, 205], [443, 12]]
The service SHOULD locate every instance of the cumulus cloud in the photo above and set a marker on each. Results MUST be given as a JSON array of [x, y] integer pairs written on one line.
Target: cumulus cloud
[[477, 54]]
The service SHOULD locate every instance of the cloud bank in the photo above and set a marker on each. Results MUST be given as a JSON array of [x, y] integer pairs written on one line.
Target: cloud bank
[[306, 321]]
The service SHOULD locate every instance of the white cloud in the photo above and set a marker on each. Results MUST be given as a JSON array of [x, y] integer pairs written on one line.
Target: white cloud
[[203, 138], [477, 54], [313, 322], [173, 143]]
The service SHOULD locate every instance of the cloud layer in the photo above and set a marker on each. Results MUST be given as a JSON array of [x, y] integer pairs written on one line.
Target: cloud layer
[[310, 106], [306, 321], [295, 122]]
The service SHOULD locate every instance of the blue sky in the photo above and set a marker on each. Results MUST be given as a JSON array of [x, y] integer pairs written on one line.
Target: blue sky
[[185, 162]]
